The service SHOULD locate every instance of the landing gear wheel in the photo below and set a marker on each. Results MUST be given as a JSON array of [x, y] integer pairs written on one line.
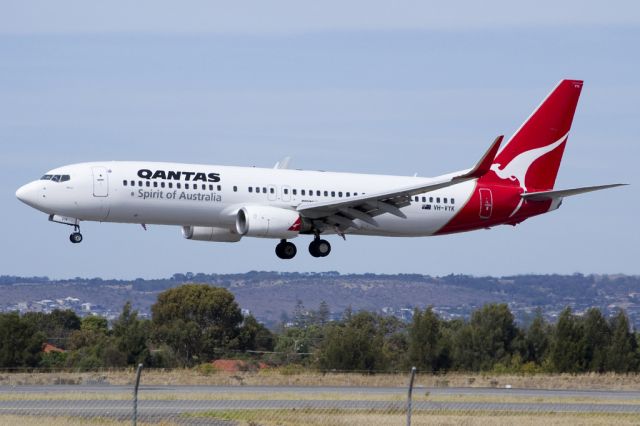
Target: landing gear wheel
[[319, 248], [75, 238], [286, 250]]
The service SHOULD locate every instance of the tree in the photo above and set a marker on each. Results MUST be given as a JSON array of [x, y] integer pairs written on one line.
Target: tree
[[355, 344], [20, 342], [597, 338], [537, 339], [196, 320], [567, 351], [621, 354], [255, 336], [57, 326], [323, 313], [425, 349], [487, 339], [131, 336]]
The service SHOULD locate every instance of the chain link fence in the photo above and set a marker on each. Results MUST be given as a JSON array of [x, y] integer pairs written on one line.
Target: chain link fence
[[188, 397]]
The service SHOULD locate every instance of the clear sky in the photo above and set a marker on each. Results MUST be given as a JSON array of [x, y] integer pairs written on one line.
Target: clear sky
[[364, 86]]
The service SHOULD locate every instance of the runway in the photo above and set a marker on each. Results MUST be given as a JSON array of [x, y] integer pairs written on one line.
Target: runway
[[161, 401]]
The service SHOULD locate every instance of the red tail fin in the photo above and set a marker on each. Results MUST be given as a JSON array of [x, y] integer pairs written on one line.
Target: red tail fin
[[533, 154]]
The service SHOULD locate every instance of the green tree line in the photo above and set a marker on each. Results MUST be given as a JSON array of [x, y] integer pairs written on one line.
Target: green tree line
[[197, 323]]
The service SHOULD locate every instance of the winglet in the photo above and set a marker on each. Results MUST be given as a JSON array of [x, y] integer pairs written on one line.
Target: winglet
[[483, 166]]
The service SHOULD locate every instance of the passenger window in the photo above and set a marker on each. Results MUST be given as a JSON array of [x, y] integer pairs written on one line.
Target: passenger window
[[133, 183], [257, 189], [186, 186], [326, 193], [453, 201], [204, 187], [148, 184], [431, 199], [124, 182], [444, 200], [271, 190], [264, 190], [155, 184], [355, 194], [333, 193], [250, 189], [162, 184], [235, 189], [317, 193], [438, 200], [416, 198], [340, 194], [139, 183], [348, 194], [302, 192], [286, 191], [219, 187], [170, 185], [424, 199], [178, 185], [210, 187], [294, 191]]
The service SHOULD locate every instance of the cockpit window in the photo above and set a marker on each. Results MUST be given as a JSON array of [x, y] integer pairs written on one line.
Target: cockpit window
[[56, 178]]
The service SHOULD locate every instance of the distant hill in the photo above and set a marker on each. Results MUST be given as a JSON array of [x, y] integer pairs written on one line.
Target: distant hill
[[272, 296]]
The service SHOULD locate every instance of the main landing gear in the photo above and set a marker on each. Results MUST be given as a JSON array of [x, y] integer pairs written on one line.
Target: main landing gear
[[76, 237], [317, 248], [286, 250]]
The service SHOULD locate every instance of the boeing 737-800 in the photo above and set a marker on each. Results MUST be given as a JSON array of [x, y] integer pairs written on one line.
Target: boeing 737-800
[[224, 204]]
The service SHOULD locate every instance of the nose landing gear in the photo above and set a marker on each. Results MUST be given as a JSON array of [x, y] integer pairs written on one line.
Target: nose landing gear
[[286, 250], [76, 237]]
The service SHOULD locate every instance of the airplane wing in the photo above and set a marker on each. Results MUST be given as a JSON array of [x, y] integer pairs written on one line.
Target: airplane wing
[[343, 212], [552, 195]]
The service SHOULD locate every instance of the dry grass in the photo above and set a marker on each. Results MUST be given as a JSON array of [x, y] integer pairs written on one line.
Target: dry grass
[[11, 420], [368, 418], [275, 377]]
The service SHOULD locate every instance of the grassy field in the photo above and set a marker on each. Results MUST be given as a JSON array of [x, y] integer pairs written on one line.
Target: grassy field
[[306, 417], [275, 377]]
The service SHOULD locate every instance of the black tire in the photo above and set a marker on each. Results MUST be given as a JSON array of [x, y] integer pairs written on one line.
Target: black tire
[[286, 250], [313, 249], [75, 238]]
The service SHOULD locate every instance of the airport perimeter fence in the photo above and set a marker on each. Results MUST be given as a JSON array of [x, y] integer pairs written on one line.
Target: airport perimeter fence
[[197, 397]]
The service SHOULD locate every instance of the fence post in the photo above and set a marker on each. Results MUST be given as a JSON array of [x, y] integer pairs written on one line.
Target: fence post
[[134, 419], [413, 375]]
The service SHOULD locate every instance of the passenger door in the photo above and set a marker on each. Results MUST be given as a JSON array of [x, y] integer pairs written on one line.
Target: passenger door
[[100, 182]]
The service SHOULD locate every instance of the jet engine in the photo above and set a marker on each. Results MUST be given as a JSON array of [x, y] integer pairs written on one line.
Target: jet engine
[[268, 222], [208, 233]]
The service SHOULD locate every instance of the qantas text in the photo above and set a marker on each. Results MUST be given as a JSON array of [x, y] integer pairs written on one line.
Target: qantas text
[[173, 175]]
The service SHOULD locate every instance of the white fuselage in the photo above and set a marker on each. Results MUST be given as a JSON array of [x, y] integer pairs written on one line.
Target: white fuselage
[[128, 192]]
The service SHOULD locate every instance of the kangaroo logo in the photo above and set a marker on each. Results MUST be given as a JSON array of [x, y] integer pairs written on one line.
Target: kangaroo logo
[[518, 167]]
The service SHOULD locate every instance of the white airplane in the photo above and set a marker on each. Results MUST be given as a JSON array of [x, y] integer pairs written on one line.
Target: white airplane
[[224, 204]]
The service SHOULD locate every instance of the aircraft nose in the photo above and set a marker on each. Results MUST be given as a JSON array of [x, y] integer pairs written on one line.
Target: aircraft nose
[[28, 194]]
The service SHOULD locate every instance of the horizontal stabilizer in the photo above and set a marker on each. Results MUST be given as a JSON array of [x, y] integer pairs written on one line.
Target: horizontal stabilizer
[[553, 195]]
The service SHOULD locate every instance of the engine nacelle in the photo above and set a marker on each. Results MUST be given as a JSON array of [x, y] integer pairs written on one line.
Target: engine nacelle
[[268, 222], [208, 233]]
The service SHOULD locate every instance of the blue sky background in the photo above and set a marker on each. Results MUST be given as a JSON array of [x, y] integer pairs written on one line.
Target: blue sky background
[[347, 86]]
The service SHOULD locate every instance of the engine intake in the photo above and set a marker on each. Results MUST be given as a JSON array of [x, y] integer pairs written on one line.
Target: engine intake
[[268, 222]]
